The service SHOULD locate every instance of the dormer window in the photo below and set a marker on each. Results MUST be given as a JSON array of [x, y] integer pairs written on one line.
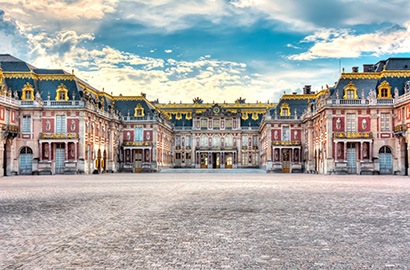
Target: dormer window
[[384, 90], [28, 92], [62, 93], [350, 91], [285, 109], [139, 111]]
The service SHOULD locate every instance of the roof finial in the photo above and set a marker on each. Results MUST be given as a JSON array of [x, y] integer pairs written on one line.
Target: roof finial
[[384, 67]]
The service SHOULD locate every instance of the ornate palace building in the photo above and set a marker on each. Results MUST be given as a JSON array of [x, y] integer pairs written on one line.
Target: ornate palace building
[[52, 122]]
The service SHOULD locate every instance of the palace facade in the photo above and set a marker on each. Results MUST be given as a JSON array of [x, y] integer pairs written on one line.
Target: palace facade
[[52, 122]]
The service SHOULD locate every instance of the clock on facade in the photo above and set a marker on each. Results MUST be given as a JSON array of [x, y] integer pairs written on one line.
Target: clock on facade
[[216, 110]]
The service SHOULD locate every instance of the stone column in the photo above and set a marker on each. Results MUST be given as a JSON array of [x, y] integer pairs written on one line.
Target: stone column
[[292, 155], [345, 152], [76, 151], [335, 151], [66, 151], [361, 151], [300, 155], [371, 150], [41, 152], [280, 155], [49, 151]]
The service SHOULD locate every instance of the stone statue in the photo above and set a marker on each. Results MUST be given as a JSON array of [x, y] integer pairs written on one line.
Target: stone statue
[[364, 124], [362, 93], [338, 123], [72, 125], [407, 87], [275, 135], [365, 150], [337, 94], [48, 125], [295, 134], [396, 92]]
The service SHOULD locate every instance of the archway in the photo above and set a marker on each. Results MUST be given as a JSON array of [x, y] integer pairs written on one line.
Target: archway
[[385, 157], [26, 158]]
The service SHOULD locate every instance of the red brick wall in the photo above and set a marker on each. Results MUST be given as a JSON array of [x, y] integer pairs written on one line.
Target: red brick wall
[[51, 126], [342, 125], [273, 135], [360, 124], [69, 125], [131, 135]]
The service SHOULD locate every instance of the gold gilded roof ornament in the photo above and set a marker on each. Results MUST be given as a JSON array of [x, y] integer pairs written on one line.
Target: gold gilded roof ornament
[[350, 91]]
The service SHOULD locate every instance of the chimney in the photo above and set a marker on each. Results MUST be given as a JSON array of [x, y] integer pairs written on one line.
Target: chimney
[[306, 89], [367, 68], [355, 69]]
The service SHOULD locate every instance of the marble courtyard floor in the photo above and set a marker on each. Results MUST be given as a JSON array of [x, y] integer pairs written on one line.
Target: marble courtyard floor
[[205, 221]]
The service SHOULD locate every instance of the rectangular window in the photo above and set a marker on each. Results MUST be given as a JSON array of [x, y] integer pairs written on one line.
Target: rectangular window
[[216, 123], [7, 118], [138, 134], [204, 123], [384, 122], [286, 134], [61, 124], [255, 140], [228, 123], [351, 122], [26, 123], [244, 140], [178, 140], [188, 141]]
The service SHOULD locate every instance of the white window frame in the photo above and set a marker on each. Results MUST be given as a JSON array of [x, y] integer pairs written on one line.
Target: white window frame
[[26, 125]]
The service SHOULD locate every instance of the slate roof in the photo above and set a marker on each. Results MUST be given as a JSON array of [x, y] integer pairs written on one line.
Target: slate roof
[[361, 84], [125, 106], [300, 104]]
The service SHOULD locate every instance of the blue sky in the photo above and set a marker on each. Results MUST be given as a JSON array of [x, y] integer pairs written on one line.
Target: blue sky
[[217, 50]]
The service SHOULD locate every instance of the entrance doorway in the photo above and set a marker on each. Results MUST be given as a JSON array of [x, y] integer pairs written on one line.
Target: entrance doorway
[[228, 163], [351, 158], [385, 156], [60, 158], [216, 159], [26, 157], [286, 161], [204, 160], [138, 161]]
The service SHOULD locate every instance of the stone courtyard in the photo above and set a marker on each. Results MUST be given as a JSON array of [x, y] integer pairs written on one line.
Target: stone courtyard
[[205, 221]]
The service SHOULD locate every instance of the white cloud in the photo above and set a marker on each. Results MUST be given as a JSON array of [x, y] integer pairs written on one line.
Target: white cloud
[[168, 51], [56, 14], [332, 43]]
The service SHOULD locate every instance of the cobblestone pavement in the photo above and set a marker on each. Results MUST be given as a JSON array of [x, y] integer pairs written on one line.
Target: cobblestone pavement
[[205, 221]]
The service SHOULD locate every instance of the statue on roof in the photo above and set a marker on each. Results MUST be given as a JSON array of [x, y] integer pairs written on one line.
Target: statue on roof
[[197, 100], [240, 100], [406, 87]]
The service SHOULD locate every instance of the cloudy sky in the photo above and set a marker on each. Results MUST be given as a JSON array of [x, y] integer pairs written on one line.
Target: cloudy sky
[[213, 49]]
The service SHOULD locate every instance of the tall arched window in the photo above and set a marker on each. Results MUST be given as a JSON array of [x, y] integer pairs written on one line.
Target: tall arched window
[[228, 140], [216, 141], [204, 141]]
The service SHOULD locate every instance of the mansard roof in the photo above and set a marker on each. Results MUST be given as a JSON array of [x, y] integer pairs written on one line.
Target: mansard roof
[[127, 104], [10, 63], [296, 102]]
